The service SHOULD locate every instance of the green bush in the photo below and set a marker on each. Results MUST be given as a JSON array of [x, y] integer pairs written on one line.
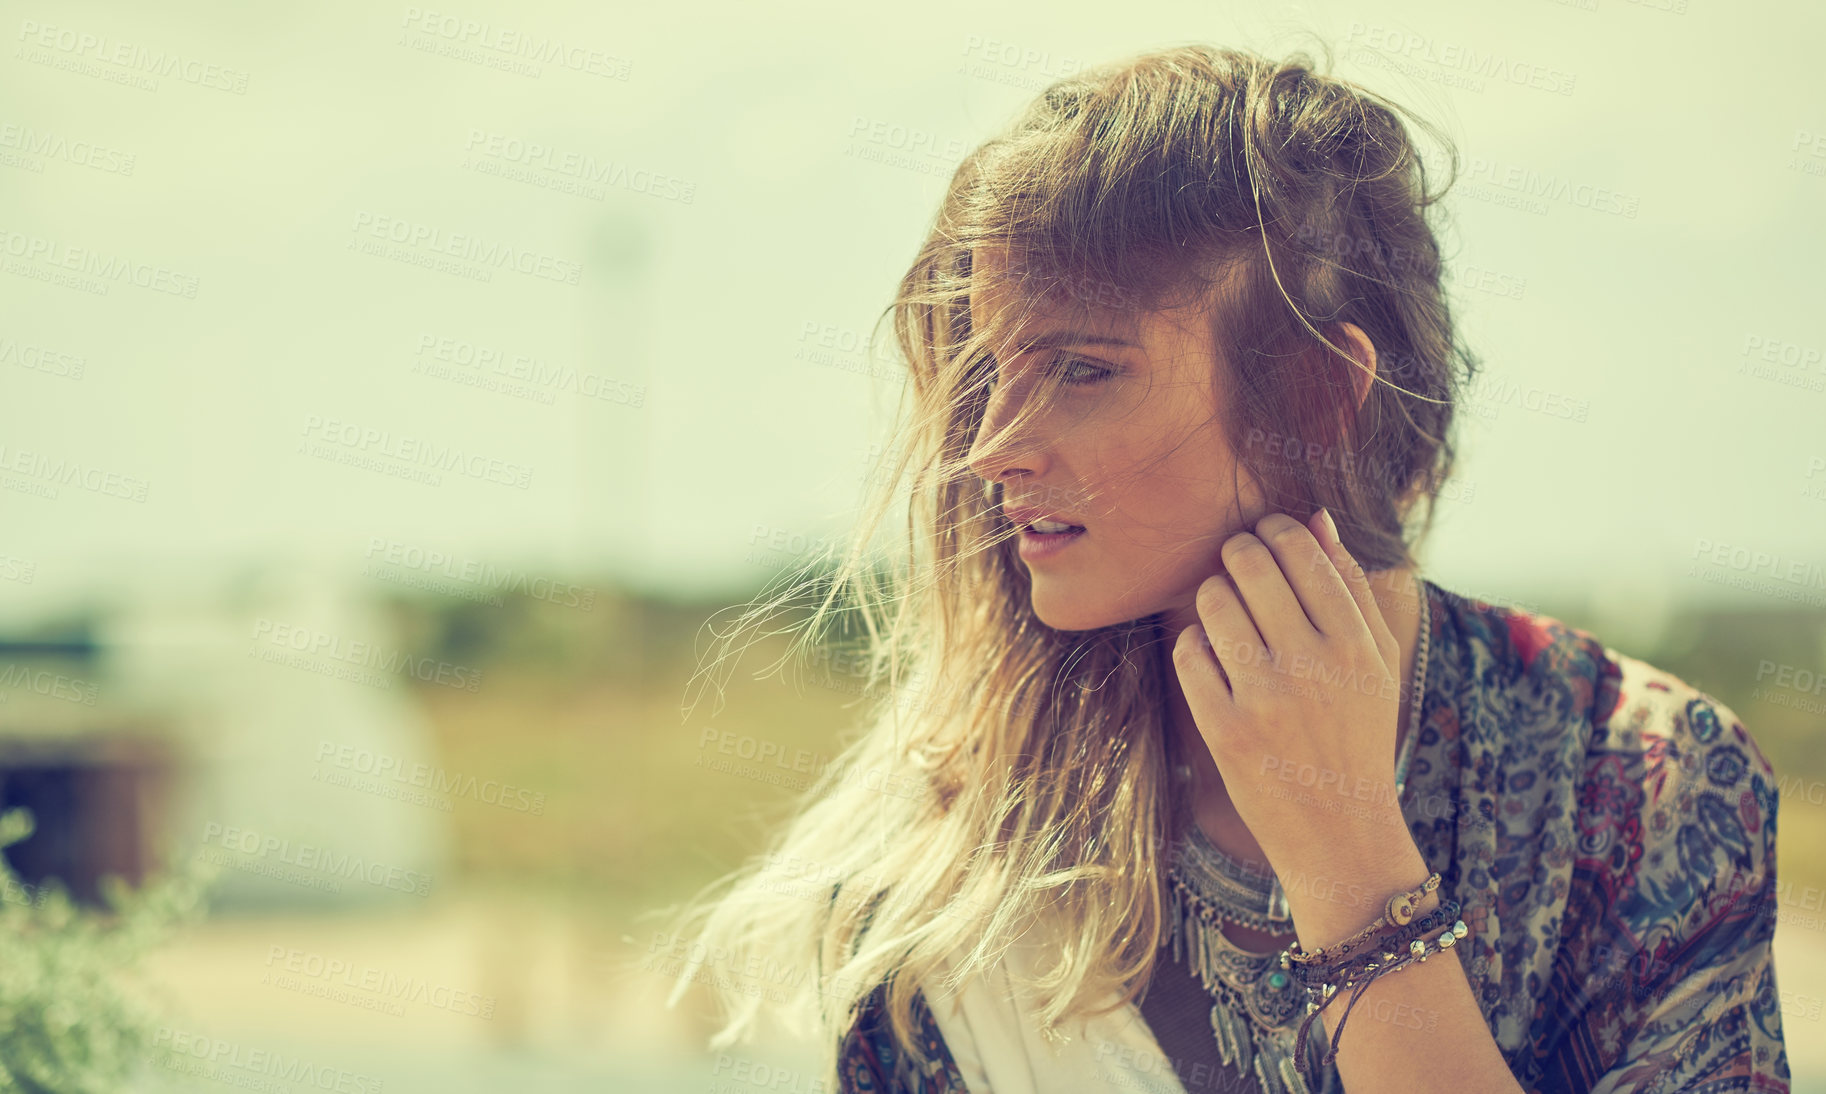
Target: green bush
[[71, 1017]]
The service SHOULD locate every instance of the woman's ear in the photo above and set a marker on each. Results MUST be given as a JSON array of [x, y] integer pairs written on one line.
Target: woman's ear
[[1351, 337]]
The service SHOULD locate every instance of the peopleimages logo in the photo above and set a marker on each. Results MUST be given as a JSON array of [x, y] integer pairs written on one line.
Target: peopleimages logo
[[50, 256], [1456, 56], [71, 689], [466, 247], [26, 142], [336, 978], [207, 1057], [48, 472], [514, 45], [43, 41], [414, 452], [379, 765], [527, 373], [321, 859], [581, 166], [1532, 183], [468, 577], [279, 637]]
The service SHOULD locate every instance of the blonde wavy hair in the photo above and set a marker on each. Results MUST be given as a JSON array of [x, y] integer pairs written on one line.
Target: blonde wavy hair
[[1007, 771]]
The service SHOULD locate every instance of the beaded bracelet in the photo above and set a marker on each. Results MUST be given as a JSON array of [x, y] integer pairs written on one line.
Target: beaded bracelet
[[1396, 913], [1438, 930], [1393, 943]]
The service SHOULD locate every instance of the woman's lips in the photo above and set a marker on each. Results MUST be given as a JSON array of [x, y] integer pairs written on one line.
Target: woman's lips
[[1041, 545]]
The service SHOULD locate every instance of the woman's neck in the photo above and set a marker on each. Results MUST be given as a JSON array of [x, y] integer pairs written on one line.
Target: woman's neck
[[1397, 594]]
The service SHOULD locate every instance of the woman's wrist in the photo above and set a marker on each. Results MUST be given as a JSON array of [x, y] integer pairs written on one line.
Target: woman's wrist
[[1325, 915]]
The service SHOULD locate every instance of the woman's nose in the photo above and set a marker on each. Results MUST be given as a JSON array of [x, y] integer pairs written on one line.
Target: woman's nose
[[1003, 443]]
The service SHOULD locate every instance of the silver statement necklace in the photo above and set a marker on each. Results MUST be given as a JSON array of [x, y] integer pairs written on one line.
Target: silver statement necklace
[[1255, 1005]]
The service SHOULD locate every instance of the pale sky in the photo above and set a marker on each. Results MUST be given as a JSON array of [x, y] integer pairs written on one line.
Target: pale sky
[[287, 144]]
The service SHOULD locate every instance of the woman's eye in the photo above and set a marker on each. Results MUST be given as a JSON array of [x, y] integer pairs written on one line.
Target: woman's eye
[[1074, 370]]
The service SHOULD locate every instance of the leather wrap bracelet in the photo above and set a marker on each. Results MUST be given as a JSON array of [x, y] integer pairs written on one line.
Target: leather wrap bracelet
[[1398, 912], [1438, 929], [1386, 946]]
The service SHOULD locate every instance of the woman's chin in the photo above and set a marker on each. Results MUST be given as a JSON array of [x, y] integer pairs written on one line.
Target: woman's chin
[[1061, 610], [1065, 607]]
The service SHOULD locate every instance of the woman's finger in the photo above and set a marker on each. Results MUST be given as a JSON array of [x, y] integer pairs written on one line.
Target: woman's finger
[[1262, 589], [1225, 640], [1354, 579], [1326, 600]]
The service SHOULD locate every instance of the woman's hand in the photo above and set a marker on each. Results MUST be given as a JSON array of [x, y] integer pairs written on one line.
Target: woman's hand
[[1293, 680]]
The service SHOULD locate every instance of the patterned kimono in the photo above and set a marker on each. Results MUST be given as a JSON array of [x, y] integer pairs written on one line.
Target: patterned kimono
[[1610, 833]]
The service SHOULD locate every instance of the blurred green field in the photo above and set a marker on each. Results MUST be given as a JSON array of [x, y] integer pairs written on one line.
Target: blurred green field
[[588, 708]]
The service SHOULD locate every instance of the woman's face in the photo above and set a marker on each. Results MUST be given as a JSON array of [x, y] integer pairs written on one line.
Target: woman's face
[[1130, 449]]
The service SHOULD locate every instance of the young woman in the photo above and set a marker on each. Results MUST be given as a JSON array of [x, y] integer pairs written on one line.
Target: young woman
[[1168, 723]]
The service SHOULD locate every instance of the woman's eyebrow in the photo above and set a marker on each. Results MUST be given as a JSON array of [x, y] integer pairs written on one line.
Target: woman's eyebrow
[[1054, 339]]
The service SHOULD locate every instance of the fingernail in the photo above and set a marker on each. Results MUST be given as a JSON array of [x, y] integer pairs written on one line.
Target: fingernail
[[1331, 527]]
